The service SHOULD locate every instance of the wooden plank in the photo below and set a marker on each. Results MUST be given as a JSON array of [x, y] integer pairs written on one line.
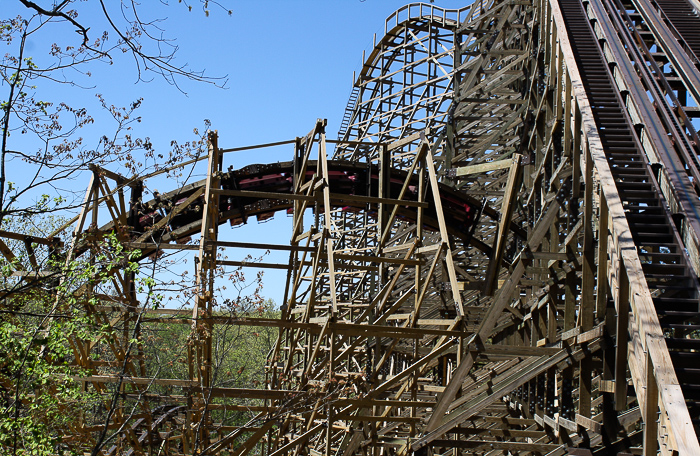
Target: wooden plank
[[253, 264], [483, 167], [407, 140], [570, 334], [590, 335], [323, 160], [607, 386], [262, 246], [135, 380], [507, 206], [159, 246], [437, 203], [258, 146], [374, 259], [377, 419], [349, 142], [357, 402], [393, 331], [118, 178], [646, 320], [376, 200], [651, 408], [589, 424], [303, 438], [25, 237], [621, 339], [569, 425], [515, 378], [10, 256], [498, 445], [602, 271], [517, 350]]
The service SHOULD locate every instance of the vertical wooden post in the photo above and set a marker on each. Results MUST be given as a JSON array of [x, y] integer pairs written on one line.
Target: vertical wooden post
[[383, 216], [651, 410], [507, 205], [201, 337], [602, 272], [587, 306], [623, 308]]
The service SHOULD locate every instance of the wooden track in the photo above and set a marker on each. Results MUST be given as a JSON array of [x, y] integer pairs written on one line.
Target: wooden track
[[500, 256]]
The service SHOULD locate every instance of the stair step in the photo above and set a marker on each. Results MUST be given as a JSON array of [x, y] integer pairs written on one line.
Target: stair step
[[678, 343], [678, 304]]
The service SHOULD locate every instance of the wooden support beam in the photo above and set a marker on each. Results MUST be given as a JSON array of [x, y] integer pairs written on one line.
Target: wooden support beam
[[456, 296], [484, 167], [488, 323], [507, 205]]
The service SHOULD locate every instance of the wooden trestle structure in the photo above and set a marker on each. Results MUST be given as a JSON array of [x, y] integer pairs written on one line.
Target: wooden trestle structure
[[502, 257]]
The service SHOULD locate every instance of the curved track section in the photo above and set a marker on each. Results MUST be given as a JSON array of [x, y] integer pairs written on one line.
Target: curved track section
[[259, 191]]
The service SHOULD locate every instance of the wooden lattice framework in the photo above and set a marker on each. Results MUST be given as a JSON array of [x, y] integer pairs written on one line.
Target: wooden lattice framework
[[497, 262]]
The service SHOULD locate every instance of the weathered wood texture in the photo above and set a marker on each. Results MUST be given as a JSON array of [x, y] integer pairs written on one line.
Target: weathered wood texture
[[501, 254]]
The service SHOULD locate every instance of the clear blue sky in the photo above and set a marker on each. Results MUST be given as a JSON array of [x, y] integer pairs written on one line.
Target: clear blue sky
[[288, 62]]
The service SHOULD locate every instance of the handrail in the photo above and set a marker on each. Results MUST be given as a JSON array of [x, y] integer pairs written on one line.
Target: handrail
[[656, 382], [420, 6]]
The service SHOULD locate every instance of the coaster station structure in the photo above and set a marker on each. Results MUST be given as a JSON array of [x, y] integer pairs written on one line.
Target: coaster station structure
[[501, 256]]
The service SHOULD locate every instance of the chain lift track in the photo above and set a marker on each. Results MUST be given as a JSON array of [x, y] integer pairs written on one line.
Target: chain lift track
[[500, 255]]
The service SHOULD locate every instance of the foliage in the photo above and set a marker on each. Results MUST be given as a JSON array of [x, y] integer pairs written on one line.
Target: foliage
[[60, 321], [44, 339], [41, 342], [239, 355]]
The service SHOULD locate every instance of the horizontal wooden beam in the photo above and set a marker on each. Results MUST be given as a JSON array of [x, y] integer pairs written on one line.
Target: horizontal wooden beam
[[483, 167], [26, 237], [498, 445]]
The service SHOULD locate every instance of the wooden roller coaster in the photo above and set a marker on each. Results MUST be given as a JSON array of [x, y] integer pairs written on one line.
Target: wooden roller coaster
[[500, 256]]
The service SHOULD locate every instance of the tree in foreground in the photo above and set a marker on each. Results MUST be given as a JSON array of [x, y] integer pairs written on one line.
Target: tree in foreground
[[60, 322]]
